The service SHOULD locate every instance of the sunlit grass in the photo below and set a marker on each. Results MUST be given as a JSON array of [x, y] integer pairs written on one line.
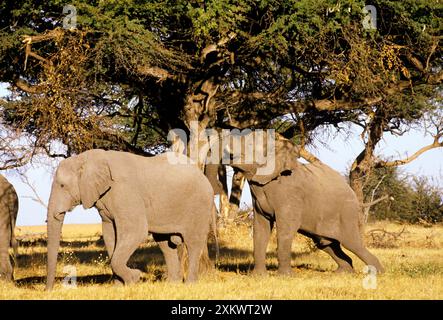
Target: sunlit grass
[[413, 262]]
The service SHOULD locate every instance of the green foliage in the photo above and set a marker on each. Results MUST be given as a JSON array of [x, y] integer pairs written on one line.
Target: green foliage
[[427, 201], [414, 199], [266, 58]]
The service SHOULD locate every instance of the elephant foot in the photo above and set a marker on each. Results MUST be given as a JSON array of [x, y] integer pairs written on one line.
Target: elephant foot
[[342, 270], [118, 283], [258, 272], [374, 269], [6, 277], [190, 280], [174, 278], [285, 272], [6, 271], [135, 275], [380, 269], [131, 276]]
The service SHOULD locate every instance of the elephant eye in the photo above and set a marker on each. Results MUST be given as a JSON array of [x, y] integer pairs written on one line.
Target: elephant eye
[[62, 185]]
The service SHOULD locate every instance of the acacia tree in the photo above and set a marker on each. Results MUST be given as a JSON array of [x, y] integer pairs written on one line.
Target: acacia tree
[[129, 71]]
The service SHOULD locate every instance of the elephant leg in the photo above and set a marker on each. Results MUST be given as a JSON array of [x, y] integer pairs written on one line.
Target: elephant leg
[[360, 251], [108, 230], [332, 247], [287, 225], [109, 236], [262, 232], [343, 261], [130, 234], [195, 248], [170, 253], [6, 270]]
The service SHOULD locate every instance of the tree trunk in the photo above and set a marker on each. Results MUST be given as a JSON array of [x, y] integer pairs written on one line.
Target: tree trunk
[[356, 177], [359, 172], [364, 163], [199, 112]]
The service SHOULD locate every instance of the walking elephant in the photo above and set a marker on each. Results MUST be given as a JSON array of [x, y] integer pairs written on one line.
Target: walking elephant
[[8, 217], [134, 195], [311, 199]]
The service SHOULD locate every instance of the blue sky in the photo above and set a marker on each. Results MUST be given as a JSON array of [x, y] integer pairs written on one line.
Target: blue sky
[[339, 155]]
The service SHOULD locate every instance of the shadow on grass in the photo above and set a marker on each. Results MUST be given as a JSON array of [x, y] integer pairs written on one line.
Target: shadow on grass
[[89, 279], [75, 252], [72, 244], [138, 260], [243, 262], [148, 259]]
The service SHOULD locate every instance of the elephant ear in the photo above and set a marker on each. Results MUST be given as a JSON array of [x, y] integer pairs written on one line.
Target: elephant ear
[[95, 177], [285, 156]]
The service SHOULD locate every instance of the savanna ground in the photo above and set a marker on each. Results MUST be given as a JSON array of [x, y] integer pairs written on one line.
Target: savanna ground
[[411, 254]]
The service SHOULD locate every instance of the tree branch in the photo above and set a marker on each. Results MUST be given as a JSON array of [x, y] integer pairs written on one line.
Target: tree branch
[[155, 72], [415, 61], [216, 47], [26, 87], [124, 145], [305, 154], [36, 196], [28, 40], [435, 144], [51, 34], [16, 162], [374, 202], [331, 105], [433, 48], [49, 153], [436, 78]]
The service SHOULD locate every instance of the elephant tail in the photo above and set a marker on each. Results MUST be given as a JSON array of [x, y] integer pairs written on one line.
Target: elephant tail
[[215, 232]]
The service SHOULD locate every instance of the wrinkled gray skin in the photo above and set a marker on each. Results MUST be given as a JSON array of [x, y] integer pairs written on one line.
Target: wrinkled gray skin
[[8, 217], [311, 199], [134, 195]]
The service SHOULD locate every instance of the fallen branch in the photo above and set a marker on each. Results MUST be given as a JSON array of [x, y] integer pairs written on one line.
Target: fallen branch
[[394, 235], [385, 239]]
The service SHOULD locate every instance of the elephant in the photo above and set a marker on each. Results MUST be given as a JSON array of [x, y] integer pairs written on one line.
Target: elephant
[[312, 199], [134, 195], [8, 217]]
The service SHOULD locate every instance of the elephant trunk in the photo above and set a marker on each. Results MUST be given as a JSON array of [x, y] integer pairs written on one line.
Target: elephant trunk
[[55, 223]]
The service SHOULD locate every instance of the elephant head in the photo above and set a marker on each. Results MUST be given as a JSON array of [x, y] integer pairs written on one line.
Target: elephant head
[[260, 159], [81, 179]]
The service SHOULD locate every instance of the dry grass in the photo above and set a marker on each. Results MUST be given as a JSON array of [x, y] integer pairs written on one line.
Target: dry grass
[[413, 261]]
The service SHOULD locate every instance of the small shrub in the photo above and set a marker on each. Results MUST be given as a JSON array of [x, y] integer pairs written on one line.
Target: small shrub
[[416, 199]]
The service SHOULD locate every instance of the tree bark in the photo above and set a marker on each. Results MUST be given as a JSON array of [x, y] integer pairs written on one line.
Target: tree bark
[[364, 163]]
